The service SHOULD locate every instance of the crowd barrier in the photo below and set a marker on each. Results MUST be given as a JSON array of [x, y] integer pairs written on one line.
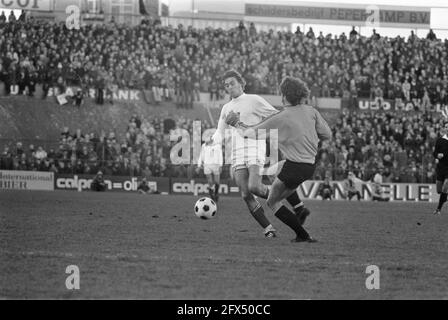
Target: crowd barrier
[[32, 180]]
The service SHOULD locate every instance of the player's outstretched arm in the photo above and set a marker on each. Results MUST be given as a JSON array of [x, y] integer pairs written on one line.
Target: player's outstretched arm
[[233, 119]]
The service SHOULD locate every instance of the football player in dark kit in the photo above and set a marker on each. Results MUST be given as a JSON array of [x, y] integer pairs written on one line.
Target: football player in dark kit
[[441, 155]]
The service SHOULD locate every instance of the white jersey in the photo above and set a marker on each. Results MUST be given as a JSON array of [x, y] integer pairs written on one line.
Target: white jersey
[[252, 109], [211, 155]]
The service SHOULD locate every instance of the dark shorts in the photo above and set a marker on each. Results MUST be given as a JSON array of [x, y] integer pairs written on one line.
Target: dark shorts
[[441, 173], [98, 187], [294, 174], [144, 188]]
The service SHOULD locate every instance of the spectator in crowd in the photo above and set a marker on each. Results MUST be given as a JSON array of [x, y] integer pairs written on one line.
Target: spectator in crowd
[[40, 153], [431, 35], [78, 98], [352, 186], [326, 190], [353, 33], [98, 183], [12, 17], [2, 18], [377, 189], [144, 188]]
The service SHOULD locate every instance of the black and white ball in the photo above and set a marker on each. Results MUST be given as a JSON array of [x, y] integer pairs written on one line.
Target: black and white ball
[[205, 208]]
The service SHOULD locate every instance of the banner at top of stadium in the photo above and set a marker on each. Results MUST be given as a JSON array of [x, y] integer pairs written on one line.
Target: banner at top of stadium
[[35, 5], [342, 14]]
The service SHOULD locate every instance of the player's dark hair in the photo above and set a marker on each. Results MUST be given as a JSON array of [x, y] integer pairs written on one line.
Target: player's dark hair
[[294, 90], [232, 73]]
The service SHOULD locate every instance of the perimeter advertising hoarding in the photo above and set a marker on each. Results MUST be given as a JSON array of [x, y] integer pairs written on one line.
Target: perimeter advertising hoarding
[[200, 187], [306, 12], [309, 190], [407, 192], [26, 180], [33, 180], [35, 5], [114, 183]]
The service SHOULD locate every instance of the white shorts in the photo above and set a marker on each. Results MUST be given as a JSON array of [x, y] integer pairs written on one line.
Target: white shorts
[[212, 169], [274, 169], [244, 158]]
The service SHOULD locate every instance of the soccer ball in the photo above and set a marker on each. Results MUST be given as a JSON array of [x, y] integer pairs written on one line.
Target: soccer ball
[[205, 208]]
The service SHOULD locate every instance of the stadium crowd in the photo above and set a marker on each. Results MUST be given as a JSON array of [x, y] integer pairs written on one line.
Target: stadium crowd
[[144, 150], [178, 63], [398, 147]]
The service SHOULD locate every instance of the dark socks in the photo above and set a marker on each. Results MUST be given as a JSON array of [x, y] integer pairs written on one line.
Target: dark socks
[[442, 200], [216, 188], [290, 219], [258, 214], [295, 202]]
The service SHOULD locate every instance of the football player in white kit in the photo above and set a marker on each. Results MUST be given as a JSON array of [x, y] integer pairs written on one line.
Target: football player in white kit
[[248, 155], [211, 160]]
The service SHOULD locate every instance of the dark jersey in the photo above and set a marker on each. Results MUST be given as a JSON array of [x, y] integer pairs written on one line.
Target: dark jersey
[[441, 147], [143, 186], [326, 186]]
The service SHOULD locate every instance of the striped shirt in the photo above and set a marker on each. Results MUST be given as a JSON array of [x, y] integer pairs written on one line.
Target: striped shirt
[[299, 130]]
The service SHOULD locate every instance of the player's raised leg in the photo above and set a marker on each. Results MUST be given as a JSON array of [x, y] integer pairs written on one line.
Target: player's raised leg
[[279, 192], [241, 177], [293, 199]]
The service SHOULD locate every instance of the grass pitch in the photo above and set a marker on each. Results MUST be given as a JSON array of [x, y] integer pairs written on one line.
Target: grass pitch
[[153, 247]]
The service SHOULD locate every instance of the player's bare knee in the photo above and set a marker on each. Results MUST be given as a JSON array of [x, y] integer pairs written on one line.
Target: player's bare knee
[[254, 188]]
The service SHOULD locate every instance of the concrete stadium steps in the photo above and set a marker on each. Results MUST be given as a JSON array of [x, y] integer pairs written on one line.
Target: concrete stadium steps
[[40, 122], [29, 119]]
